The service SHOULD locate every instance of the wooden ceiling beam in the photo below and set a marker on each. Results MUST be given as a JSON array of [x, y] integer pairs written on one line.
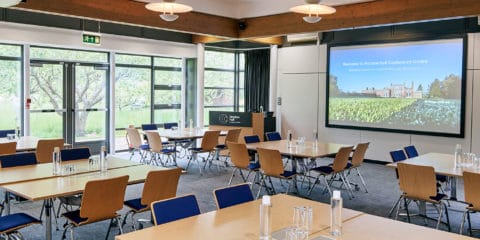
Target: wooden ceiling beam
[[135, 13], [379, 12]]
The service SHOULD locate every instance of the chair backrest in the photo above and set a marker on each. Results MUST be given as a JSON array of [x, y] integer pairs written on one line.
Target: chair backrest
[[359, 154], [273, 136], [417, 181], [4, 133], [18, 159], [471, 184], [154, 141], [239, 154], [160, 184], [103, 198], [45, 149], [75, 154], [170, 125], [8, 148], [210, 140], [233, 195], [147, 127], [411, 151], [398, 155], [251, 139], [232, 135], [341, 159], [270, 162], [133, 136], [172, 209]]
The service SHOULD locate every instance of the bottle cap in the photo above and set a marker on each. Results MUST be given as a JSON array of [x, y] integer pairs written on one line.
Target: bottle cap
[[336, 194], [103, 149], [56, 149], [266, 200]]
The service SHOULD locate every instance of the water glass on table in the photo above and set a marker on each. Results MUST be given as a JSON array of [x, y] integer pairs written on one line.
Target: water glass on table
[[302, 221]]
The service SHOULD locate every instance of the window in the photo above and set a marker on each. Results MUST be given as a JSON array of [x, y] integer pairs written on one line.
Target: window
[[167, 89], [224, 82], [11, 77], [133, 80]]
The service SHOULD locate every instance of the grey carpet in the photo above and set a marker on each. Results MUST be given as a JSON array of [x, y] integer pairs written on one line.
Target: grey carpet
[[381, 183]]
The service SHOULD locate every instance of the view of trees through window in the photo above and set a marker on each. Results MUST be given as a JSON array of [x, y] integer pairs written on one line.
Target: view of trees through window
[[10, 77], [224, 82]]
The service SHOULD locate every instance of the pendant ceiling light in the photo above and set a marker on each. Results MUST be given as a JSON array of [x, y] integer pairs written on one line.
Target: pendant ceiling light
[[168, 9], [9, 3], [313, 9]]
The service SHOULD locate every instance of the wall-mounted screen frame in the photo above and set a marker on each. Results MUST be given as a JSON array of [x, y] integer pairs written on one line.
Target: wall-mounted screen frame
[[414, 86]]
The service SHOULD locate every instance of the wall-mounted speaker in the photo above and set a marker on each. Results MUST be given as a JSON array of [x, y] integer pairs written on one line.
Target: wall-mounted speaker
[[242, 25]]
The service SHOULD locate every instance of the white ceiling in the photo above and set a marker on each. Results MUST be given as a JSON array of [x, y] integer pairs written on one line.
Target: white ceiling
[[250, 8]]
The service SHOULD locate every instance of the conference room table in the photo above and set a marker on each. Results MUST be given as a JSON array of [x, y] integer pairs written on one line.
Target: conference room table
[[179, 136], [37, 182], [239, 221], [242, 222], [443, 164], [26, 143]]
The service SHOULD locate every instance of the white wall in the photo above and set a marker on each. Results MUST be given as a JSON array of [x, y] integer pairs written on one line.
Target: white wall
[[298, 97]]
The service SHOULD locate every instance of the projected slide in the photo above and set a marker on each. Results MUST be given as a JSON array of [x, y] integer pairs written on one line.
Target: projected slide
[[410, 86]]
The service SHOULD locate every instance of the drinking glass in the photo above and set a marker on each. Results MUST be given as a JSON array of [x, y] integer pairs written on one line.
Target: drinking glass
[[302, 221]]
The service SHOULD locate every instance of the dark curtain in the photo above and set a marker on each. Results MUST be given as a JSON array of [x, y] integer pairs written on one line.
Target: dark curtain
[[257, 79]]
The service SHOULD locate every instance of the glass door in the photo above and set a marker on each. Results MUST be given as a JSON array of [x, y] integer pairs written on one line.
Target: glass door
[[90, 103], [47, 109]]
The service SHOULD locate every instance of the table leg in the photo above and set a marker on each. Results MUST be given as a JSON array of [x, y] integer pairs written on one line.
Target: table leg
[[453, 188], [48, 219], [7, 203]]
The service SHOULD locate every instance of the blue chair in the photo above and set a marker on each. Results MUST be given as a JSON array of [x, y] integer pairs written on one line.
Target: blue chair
[[9, 224], [170, 125], [4, 133], [273, 136], [75, 154], [398, 155], [149, 127], [18, 159], [172, 209], [411, 151], [251, 139], [233, 195]]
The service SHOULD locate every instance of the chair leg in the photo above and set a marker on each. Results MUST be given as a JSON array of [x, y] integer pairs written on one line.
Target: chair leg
[[398, 207], [271, 184], [469, 223], [361, 179], [327, 185], [109, 228], [233, 174], [313, 185], [440, 215], [347, 184], [394, 207], [406, 209], [262, 182], [462, 223]]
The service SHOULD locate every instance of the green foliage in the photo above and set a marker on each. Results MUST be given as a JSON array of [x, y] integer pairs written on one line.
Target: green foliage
[[333, 86], [448, 88], [68, 55], [10, 75], [366, 110], [10, 50], [222, 60]]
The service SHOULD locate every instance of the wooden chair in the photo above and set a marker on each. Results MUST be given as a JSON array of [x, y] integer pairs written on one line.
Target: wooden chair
[[241, 160], [357, 160], [232, 195], [336, 169], [471, 184], [135, 143], [172, 209], [418, 183], [273, 136], [157, 149], [10, 224], [232, 136], [45, 149], [271, 165], [101, 201], [209, 142], [8, 148], [159, 185]]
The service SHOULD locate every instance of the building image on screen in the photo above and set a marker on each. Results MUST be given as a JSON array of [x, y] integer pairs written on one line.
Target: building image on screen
[[408, 87]]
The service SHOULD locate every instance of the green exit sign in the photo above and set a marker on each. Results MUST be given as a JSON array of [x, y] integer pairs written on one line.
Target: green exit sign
[[91, 38]]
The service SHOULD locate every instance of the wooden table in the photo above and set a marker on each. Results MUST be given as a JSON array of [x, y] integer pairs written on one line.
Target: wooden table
[[307, 150], [443, 164], [370, 227], [239, 222], [48, 188], [26, 143], [44, 170]]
